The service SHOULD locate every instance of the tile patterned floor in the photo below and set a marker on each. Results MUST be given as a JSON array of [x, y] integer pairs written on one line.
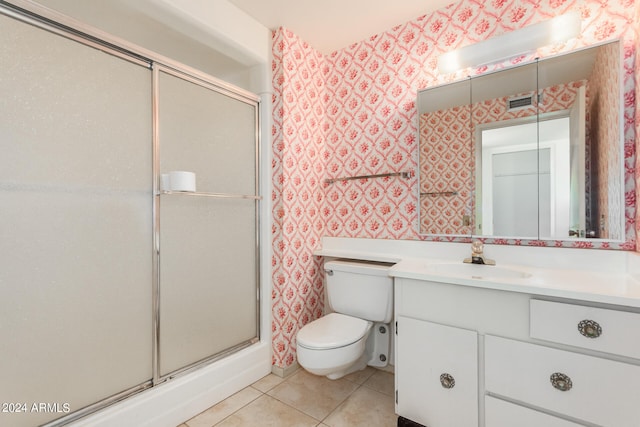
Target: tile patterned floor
[[363, 398]]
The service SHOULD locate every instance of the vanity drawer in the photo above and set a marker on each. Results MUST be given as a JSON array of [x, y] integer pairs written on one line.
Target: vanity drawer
[[597, 390], [599, 329], [499, 413]]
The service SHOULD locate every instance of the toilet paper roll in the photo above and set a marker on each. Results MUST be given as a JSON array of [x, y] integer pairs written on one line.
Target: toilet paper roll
[[182, 181]]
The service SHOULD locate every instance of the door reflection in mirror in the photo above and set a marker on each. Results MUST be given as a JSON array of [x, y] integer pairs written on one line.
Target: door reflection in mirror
[[525, 179]]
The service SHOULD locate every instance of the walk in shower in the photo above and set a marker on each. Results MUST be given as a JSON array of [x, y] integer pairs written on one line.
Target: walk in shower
[[112, 282]]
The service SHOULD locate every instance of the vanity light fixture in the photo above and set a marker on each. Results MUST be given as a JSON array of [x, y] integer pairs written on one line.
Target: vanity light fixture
[[527, 39]]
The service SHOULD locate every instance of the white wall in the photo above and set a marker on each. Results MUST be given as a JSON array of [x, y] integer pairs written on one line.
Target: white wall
[[214, 37]]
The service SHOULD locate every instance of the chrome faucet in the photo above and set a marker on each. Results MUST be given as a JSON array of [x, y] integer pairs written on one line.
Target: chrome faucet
[[477, 257]]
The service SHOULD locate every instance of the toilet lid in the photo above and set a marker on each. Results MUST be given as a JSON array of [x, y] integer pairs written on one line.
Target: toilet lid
[[332, 331]]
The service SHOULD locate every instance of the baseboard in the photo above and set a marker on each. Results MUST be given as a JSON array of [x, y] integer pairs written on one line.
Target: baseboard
[[389, 368], [285, 372]]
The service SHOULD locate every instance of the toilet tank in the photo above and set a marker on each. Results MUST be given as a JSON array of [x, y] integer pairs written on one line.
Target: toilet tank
[[361, 289]]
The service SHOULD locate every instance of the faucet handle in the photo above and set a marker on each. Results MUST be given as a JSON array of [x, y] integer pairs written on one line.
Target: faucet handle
[[477, 247]]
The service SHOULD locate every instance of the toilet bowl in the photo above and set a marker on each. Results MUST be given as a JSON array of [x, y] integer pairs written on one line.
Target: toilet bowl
[[333, 345], [351, 337]]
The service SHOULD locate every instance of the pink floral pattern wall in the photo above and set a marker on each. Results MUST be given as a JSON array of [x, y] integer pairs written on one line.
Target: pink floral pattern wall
[[446, 164], [605, 104], [631, 97], [354, 113], [298, 197]]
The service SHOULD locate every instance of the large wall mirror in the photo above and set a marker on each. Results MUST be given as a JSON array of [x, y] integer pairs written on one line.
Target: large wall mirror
[[529, 152]]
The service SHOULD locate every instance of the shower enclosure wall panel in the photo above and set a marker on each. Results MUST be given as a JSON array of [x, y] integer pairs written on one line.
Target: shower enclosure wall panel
[[75, 224]]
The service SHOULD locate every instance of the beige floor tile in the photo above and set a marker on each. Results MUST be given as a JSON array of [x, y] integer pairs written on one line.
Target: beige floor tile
[[267, 411], [364, 408], [314, 395], [381, 381], [218, 412], [267, 383], [359, 377]]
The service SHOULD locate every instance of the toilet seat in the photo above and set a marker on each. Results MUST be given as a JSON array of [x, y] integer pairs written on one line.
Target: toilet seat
[[334, 330]]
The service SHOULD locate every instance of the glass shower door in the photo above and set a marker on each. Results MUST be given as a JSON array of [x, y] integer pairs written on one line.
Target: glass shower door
[[208, 235], [75, 225]]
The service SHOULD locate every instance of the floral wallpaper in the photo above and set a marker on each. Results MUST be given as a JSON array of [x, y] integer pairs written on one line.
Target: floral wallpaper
[[298, 198], [604, 103], [446, 171], [353, 112], [632, 120]]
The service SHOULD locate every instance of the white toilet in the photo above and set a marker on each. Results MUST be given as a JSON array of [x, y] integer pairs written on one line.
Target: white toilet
[[357, 333]]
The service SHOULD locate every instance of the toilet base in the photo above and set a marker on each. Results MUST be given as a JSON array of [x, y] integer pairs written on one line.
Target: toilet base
[[358, 365]]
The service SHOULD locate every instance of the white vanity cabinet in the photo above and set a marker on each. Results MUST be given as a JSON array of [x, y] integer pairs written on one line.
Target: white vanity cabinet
[[520, 359]]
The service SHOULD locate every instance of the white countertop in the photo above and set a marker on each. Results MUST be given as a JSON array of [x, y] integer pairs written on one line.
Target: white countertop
[[607, 288], [599, 276]]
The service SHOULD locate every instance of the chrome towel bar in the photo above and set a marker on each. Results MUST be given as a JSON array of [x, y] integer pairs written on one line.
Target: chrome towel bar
[[405, 175], [440, 193]]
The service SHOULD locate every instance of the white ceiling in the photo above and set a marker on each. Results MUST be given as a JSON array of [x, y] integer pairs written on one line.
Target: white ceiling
[[330, 25]]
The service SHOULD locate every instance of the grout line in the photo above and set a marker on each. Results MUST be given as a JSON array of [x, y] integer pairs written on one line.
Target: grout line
[[341, 403], [242, 407], [286, 379], [266, 393]]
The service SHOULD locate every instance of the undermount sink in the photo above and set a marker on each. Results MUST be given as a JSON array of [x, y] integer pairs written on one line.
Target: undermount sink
[[477, 271]]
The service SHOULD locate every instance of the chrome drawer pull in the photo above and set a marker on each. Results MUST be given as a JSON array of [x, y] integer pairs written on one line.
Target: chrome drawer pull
[[590, 328], [561, 382], [447, 381]]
